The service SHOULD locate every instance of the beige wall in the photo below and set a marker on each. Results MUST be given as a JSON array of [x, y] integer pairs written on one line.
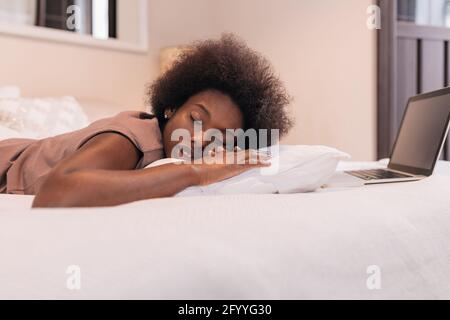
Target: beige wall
[[322, 49], [327, 57], [178, 22], [128, 20], [45, 68]]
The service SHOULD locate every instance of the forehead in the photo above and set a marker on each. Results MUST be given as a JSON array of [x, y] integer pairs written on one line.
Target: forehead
[[224, 113]]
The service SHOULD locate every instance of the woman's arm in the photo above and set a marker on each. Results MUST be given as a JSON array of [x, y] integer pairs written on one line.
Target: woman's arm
[[101, 173]]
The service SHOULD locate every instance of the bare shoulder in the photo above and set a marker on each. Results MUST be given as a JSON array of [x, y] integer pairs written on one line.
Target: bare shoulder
[[106, 151]]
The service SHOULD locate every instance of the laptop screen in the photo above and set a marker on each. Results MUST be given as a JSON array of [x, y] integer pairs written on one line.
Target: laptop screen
[[422, 134]]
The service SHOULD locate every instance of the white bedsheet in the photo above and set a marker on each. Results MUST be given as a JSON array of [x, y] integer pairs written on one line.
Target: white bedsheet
[[302, 246]]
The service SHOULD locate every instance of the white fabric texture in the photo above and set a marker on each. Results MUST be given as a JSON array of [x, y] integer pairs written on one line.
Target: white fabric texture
[[294, 169], [302, 246], [7, 133], [41, 118], [9, 92]]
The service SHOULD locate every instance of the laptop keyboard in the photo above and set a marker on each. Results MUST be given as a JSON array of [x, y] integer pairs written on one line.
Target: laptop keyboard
[[377, 174]]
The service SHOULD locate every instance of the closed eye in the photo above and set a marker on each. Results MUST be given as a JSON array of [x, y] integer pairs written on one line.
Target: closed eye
[[195, 116]]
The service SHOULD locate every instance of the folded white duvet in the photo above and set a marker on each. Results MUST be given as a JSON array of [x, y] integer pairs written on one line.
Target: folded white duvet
[[295, 169]]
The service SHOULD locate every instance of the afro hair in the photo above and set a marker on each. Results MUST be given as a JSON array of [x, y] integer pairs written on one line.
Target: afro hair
[[231, 67]]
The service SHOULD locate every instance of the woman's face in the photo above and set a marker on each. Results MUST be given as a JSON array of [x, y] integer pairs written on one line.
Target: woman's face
[[212, 108]]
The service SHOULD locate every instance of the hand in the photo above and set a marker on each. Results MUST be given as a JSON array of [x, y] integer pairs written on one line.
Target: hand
[[219, 166]]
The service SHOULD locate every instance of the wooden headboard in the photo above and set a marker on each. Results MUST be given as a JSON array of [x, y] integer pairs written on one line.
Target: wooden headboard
[[412, 59]]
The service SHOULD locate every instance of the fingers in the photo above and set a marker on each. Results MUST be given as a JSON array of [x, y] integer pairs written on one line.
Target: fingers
[[238, 156], [253, 157], [245, 157]]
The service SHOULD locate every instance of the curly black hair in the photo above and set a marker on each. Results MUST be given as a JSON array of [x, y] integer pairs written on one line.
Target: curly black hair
[[231, 67]]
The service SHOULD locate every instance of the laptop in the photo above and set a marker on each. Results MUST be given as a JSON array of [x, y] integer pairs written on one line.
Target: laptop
[[419, 143]]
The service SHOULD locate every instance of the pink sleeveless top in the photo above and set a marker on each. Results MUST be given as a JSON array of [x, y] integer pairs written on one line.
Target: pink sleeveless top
[[25, 163]]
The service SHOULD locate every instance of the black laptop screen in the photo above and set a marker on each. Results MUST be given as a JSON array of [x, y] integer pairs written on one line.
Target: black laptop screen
[[421, 135]]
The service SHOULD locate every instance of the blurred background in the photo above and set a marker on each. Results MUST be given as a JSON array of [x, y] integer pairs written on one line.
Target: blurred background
[[339, 71], [413, 58]]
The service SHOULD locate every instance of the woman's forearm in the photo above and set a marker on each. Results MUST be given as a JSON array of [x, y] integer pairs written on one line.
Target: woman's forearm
[[94, 188]]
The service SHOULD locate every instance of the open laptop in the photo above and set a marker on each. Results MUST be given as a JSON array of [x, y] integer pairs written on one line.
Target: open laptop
[[419, 142]]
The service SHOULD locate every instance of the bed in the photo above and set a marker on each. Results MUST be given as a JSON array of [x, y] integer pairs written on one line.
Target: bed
[[324, 245]]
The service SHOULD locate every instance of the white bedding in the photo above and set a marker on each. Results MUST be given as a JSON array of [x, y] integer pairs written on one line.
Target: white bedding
[[294, 169], [38, 118], [301, 246]]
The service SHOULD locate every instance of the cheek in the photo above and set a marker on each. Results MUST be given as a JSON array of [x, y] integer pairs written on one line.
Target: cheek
[[183, 124], [179, 128], [167, 135]]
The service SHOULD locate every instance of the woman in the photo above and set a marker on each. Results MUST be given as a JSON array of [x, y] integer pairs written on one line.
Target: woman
[[221, 84]]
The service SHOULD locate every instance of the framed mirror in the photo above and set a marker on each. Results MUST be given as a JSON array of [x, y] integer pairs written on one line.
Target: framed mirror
[[113, 24]]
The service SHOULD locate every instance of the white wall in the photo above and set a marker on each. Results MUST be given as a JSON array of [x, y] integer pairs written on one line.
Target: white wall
[[321, 49]]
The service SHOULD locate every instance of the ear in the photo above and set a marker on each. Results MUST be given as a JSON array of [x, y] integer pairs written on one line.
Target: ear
[[168, 113]]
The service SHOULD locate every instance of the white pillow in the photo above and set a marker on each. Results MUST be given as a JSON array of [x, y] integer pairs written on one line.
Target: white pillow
[[9, 92], [295, 169], [6, 133], [41, 118]]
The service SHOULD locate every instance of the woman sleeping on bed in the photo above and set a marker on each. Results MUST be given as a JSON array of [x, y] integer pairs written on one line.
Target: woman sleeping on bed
[[221, 84]]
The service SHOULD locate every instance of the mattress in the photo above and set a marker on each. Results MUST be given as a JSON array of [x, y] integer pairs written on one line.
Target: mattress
[[324, 245]]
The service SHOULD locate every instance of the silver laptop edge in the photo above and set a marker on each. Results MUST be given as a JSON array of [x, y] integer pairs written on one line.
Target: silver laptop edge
[[411, 177]]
